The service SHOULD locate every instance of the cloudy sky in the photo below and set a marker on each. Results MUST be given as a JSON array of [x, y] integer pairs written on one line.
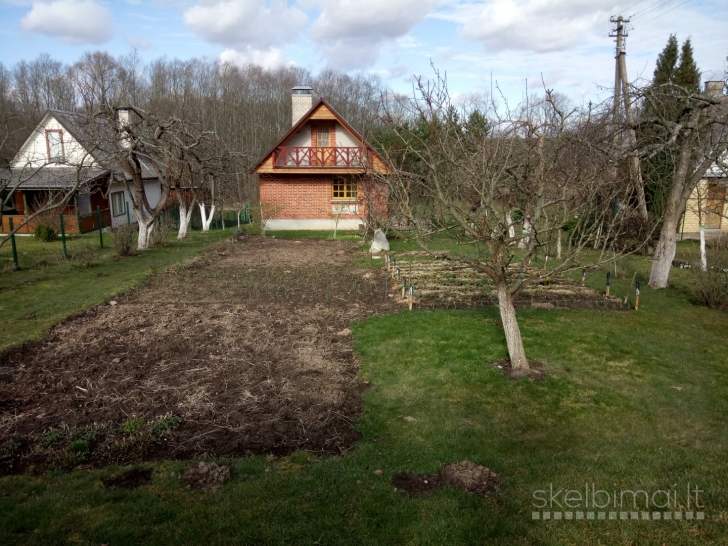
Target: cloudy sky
[[479, 43]]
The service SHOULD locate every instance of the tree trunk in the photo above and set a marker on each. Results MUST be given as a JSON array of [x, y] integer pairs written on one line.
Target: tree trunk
[[185, 217], [146, 226], [511, 227], [206, 220], [517, 353], [558, 245], [703, 256], [664, 254], [526, 238]]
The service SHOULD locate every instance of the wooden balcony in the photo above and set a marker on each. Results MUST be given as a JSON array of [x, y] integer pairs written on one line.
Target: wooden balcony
[[298, 157]]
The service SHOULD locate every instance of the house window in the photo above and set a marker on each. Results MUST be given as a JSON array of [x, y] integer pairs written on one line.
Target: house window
[[54, 142], [322, 138], [344, 188], [118, 207]]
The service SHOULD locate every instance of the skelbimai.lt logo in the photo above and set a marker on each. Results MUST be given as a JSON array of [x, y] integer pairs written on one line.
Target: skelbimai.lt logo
[[591, 503]]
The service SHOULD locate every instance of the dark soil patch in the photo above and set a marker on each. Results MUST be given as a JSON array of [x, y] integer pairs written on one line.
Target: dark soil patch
[[537, 372], [248, 346], [207, 476], [129, 480], [416, 485], [470, 477]]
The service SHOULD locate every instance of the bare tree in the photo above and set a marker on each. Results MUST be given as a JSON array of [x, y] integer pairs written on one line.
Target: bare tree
[[694, 136], [539, 163]]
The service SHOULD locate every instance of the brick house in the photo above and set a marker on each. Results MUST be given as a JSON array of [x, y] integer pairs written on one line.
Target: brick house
[[319, 173]]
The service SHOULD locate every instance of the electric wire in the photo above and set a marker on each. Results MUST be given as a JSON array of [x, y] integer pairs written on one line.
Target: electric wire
[[652, 7], [663, 13]]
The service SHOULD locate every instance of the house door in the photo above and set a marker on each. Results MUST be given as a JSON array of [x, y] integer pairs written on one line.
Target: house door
[[715, 202]]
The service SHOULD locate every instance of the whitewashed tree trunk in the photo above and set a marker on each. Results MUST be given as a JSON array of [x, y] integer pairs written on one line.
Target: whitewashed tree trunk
[[185, 218], [664, 253], [558, 245], [703, 256], [206, 220], [516, 352], [526, 239], [511, 227], [146, 226]]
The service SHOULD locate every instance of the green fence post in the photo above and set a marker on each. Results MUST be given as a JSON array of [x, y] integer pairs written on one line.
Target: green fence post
[[101, 233], [63, 236], [128, 216], [12, 243]]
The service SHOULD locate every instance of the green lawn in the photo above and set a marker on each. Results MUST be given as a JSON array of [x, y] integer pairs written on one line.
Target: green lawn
[[48, 288], [633, 401]]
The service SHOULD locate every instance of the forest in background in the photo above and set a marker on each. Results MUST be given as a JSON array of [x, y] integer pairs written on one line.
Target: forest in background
[[248, 107]]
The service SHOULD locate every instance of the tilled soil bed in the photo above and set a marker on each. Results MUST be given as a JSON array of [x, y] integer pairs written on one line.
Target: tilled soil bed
[[244, 351]]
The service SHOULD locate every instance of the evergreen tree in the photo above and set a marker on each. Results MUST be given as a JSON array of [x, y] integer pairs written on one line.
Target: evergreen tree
[[676, 75]]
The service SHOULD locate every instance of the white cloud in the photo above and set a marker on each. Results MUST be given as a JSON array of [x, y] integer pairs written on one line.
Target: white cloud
[[137, 42], [273, 57], [245, 23], [532, 25], [70, 21], [351, 33]]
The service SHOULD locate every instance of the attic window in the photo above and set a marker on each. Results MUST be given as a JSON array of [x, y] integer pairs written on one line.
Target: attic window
[[54, 144]]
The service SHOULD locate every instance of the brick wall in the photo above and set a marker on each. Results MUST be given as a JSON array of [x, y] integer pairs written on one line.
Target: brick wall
[[309, 197]]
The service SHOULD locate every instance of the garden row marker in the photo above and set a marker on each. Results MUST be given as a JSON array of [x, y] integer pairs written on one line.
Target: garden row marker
[[637, 295], [583, 276], [404, 285], [411, 296], [63, 236], [12, 242], [609, 281]]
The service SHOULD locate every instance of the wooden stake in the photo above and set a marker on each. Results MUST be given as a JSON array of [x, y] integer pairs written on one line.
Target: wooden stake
[[637, 295], [609, 281], [583, 276]]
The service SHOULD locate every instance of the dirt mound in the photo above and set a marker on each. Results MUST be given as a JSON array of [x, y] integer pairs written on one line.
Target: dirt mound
[[130, 479], [207, 476], [473, 478]]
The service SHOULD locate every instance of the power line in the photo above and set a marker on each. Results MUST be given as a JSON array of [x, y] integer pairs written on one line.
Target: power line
[[652, 7], [664, 12], [633, 5]]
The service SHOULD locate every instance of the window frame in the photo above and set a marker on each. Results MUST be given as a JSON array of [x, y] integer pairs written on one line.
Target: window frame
[[349, 189], [113, 207], [62, 157]]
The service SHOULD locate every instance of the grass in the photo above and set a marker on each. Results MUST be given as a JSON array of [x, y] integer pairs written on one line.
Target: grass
[[48, 288], [633, 400]]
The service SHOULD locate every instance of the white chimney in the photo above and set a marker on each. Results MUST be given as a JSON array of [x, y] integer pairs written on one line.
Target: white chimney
[[714, 88], [124, 115], [301, 102]]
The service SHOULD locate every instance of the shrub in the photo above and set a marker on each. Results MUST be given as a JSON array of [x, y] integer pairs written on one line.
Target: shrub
[[45, 233], [163, 229], [84, 253], [123, 240], [132, 425], [711, 286]]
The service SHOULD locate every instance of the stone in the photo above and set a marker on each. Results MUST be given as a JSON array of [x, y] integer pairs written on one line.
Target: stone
[[410, 419], [379, 243], [112, 302], [344, 332]]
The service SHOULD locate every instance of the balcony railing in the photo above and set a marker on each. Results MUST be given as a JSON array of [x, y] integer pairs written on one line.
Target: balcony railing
[[322, 156]]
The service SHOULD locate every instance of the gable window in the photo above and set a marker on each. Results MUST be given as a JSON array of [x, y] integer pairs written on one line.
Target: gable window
[[118, 207], [344, 188], [54, 144]]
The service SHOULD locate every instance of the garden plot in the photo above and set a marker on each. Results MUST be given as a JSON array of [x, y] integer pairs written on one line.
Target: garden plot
[[245, 351], [450, 284]]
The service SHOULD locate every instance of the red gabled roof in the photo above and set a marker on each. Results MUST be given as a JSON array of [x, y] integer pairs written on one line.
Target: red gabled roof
[[306, 118]]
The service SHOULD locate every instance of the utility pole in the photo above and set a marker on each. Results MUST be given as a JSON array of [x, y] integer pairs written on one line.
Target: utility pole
[[621, 87]]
